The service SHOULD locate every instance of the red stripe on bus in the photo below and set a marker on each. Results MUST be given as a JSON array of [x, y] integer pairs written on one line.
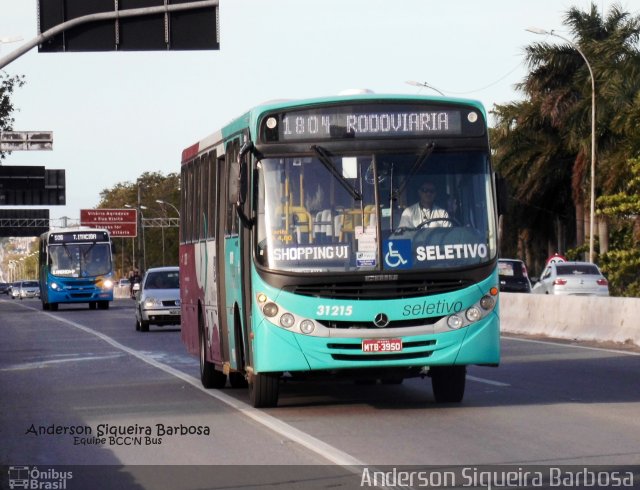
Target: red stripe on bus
[[189, 153]]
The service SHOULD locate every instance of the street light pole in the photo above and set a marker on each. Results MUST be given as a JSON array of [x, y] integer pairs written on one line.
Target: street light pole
[[592, 204], [423, 84], [160, 201]]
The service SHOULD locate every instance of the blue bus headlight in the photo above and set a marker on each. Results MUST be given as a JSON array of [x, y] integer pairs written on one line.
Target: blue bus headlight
[[55, 286], [108, 283]]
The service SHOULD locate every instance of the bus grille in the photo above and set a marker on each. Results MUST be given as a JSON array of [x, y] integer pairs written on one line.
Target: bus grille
[[414, 322], [378, 290]]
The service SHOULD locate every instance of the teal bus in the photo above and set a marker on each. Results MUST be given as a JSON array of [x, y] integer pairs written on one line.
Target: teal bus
[[348, 236], [76, 266]]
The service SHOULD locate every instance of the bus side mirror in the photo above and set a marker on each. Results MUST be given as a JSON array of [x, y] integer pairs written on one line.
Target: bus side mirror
[[243, 184], [113, 248]]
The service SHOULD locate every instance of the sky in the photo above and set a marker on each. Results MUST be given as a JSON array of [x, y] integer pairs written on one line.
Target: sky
[[117, 115]]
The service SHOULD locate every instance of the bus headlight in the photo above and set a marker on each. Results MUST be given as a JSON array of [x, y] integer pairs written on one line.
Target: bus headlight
[[307, 326], [473, 314], [108, 283], [270, 310], [55, 286], [487, 302], [287, 320], [454, 321]]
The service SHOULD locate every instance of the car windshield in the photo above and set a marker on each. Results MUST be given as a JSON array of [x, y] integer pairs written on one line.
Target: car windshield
[[391, 212], [30, 284], [80, 260], [162, 280]]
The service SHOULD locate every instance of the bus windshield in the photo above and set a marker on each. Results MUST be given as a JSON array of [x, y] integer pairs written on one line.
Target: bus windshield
[[79, 259], [375, 212]]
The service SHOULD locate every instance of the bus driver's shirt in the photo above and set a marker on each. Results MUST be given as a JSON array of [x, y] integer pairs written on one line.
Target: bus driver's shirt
[[415, 214]]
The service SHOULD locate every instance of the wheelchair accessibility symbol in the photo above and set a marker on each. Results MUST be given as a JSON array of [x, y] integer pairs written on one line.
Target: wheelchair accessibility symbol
[[398, 254]]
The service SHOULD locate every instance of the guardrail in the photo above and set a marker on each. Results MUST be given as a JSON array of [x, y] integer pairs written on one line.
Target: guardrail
[[591, 318]]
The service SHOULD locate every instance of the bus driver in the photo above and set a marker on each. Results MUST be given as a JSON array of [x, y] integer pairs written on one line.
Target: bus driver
[[425, 213]]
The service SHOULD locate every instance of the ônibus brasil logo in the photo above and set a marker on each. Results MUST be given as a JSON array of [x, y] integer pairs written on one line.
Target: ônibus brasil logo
[[33, 478]]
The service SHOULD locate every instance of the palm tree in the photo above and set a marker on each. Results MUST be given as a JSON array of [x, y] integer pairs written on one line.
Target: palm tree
[[558, 110]]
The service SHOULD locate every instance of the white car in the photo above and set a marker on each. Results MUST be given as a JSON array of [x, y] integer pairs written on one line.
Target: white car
[[565, 278], [158, 300]]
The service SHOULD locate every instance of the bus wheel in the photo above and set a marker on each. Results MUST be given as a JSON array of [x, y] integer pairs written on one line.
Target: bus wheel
[[209, 375], [45, 306], [103, 305], [53, 306], [92, 305], [448, 383], [263, 389], [237, 380]]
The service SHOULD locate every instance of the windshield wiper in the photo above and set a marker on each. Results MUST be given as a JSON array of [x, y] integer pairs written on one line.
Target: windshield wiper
[[426, 153], [329, 165]]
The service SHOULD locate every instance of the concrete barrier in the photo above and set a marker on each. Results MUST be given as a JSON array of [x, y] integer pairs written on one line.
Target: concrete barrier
[[588, 318]]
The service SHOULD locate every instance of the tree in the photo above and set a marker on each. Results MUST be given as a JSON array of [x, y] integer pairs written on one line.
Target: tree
[[621, 264], [545, 141], [152, 186], [7, 86]]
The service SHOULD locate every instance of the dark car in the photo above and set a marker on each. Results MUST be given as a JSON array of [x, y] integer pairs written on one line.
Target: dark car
[[513, 276], [4, 287]]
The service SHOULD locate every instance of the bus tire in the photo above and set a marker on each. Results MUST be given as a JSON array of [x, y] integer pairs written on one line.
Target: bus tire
[[53, 306], [210, 377], [448, 383], [45, 306], [103, 305], [92, 305], [264, 389]]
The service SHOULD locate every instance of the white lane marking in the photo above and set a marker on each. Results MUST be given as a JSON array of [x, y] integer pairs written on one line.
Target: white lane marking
[[487, 381], [44, 364], [315, 445], [562, 344]]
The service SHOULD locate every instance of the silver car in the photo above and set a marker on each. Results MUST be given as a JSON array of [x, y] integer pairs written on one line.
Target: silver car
[[579, 278], [29, 289], [158, 300]]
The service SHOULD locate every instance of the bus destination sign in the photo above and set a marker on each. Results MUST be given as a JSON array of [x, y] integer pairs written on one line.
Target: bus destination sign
[[80, 236], [371, 122]]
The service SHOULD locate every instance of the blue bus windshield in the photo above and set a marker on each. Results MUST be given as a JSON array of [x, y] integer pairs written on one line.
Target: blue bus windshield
[[79, 259], [381, 212]]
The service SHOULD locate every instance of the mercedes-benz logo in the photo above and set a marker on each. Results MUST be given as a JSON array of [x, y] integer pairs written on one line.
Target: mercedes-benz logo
[[381, 320]]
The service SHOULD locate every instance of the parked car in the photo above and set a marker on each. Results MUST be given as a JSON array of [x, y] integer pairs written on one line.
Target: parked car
[[4, 287], [124, 282], [513, 277], [29, 289], [158, 300], [583, 278]]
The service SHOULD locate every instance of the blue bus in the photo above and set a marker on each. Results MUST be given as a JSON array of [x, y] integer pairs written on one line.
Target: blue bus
[[353, 235], [76, 266]]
